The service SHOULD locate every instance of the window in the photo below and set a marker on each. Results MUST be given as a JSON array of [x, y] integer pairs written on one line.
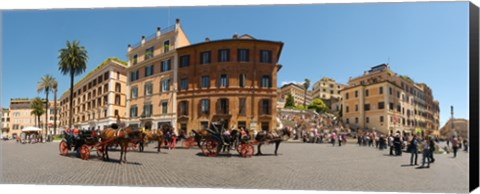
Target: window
[[265, 56], [242, 55], [223, 55], [367, 107], [381, 90], [165, 66], [148, 89], [147, 110], [184, 61], [346, 96], [149, 53], [242, 106], [164, 107], [331, 91], [184, 84], [205, 106], [118, 88], [106, 75], [366, 92], [356, 120], [116, 113], [356, 94], [135, 59], [166, 46], [223, 109], [183, 108], [266, 83], [133, 111], [381, 118], [391, 106], [390, 90], [399, 108], [117, 99], [347, 121], [356, 107], [266, 108], [367, 120], [134, 75], [165, 85], [148, 70], [241, 80], [134, 92], [398, 94], [105, 88], [223, 80], [205, 57], [381, 105], [347, 109], [100, 79], [205, 82]]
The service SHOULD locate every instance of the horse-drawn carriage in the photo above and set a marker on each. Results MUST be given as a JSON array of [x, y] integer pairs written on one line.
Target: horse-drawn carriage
[[81, 141], [215, 141]]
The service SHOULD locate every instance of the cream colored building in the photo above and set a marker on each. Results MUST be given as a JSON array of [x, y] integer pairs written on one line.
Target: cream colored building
[[21, 117], [298, 93], [152, 78], [386, 102], [98, 97], [326, 88], [5, 122]]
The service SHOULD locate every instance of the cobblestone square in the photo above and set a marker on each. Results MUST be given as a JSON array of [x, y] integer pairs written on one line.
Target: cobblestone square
[[298, 166]]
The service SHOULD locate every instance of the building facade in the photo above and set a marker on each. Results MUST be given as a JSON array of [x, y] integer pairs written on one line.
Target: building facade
[[152, 78], [298, 93], [232, 80], [97, 98], [326, 88], [5, 122], [457, 127], [384, 101], [21, 117]]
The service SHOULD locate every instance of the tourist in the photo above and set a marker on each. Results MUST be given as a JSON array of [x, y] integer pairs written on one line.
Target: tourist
[[414, 150], [332, 138], [465, 145], [426, 152], [340, 139], [397, 143], [454, 146], [432, 150]]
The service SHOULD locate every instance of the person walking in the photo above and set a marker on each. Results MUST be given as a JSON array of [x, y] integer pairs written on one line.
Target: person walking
[[454, 146], [414, 150], [426, 152], [332, 137], [390, 143], [465, 145], [340, 139], [432, 150]]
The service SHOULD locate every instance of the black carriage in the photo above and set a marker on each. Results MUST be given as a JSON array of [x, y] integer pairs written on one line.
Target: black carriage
[[82, 143], [215, 142]]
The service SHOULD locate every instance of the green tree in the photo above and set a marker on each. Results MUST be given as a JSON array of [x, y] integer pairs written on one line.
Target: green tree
[[289, 102], [46, 85], [306, 84], [72, 61], [37, 109], [319, 106]]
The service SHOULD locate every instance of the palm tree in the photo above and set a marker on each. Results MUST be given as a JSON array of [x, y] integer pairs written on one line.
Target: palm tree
[[45, 85], [73, 61], [55, 89], [37, 109], [306, 84]]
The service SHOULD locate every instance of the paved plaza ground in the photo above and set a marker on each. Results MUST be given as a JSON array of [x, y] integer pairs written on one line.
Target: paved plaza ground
[[298, 166]]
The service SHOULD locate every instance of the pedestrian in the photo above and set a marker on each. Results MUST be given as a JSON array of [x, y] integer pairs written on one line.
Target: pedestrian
[[454, 146], [140, 145], [397, 143], [465, 145], [426, 152], [432, 149], [413, 150], [340, 139], [332, 137]]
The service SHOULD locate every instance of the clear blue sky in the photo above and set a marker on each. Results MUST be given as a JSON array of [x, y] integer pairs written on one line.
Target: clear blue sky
[[426, 41]]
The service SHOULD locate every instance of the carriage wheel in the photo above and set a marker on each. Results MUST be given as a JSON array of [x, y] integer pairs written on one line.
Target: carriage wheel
[[63, 147], [100, 151], [204, 147], [247, 150], [84, 152], [188, 143], [212, 147]]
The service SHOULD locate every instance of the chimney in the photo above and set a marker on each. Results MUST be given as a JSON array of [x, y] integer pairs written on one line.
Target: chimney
[[235, 36], [129, 47], [143, 40], [177, 23], [207, 39], [158, 32]]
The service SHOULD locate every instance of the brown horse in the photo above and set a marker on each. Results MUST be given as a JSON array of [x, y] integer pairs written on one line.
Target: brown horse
[[120, 137], [154, 136], [271, 137]]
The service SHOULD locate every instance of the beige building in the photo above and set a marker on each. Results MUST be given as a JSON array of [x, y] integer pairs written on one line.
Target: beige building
[[21, 117], [5, 125], [326, 88], [386, 102], [98, 97], [298, 93], [457, 127], [152, 78]]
